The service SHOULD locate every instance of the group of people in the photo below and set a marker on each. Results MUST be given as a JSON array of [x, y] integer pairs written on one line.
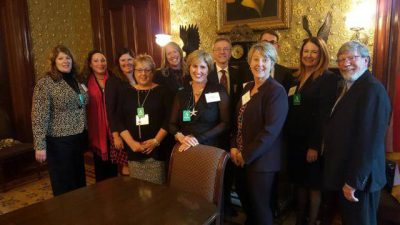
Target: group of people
[[331, 127]]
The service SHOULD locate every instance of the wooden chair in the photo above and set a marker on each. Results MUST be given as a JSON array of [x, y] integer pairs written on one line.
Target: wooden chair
[[199, 170]]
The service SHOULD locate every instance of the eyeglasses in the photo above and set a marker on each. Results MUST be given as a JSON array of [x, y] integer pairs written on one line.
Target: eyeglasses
[[221, 49], [350, 58], [143, 70], [272, 42]]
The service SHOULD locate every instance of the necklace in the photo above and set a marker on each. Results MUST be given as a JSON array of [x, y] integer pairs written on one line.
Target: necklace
[[141, 106]]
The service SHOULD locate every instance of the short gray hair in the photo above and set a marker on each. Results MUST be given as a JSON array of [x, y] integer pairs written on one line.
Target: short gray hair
[[354, 46], [266, 49]]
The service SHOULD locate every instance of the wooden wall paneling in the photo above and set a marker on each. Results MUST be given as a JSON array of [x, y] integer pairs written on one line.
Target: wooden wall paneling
[[382, 41], [131, 28], [129, 23], [165, 19], [394, 78], [17, 46], [118, 29], [386, 64], [5, 97], [97, 18]]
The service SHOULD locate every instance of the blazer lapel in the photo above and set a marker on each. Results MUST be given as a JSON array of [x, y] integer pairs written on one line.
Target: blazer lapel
[[355, 88]]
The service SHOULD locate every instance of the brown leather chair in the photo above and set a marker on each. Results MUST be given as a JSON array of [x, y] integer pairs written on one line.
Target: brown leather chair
[[199, 170]]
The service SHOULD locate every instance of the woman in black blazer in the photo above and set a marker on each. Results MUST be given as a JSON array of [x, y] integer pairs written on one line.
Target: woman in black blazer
[[311, 98], [117, 86], [200, 112], [256, 137]]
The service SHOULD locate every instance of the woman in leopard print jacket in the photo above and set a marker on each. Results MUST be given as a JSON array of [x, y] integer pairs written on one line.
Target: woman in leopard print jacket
[[59, 122]]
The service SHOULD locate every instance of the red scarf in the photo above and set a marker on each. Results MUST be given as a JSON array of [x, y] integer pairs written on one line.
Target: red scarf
[[98, 131]]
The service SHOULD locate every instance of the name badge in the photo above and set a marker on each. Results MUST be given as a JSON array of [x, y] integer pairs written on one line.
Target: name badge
[[84, 87], [246, 98], [292, 90], [140, 112], [213, 97], [297, 99], [140, 121], [81, 100], [186, 116]]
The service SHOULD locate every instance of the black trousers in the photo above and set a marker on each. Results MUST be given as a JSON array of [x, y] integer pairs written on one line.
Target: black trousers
[[104, 169], [363, 212], [66, 163], [254, 189], [228, 182]]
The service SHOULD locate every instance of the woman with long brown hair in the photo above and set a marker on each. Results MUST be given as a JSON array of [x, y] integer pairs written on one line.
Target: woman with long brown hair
[[115, 87], [100, 138], [311, 99]]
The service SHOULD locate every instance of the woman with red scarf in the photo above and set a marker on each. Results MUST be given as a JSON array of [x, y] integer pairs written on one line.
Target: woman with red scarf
[[100, 139]]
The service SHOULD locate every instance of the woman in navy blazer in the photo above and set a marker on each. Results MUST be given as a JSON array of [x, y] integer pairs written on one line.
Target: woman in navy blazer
[[256, 138]]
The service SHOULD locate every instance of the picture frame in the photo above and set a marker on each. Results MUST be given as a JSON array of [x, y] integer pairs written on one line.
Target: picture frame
[[258, 14]]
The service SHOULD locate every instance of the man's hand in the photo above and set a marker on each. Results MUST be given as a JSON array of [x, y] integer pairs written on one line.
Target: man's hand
[[348, 193], [312, 155]]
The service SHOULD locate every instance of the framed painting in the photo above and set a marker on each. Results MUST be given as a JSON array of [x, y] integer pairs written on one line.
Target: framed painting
[[258, 14]]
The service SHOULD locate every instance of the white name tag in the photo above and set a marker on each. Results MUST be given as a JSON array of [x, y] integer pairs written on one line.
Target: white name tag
[[213, 97], [292, 90], [84, 87], [246, 98], [142, 121]]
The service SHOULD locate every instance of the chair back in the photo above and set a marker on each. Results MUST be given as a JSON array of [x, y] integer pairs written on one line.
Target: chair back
[[199, 170]]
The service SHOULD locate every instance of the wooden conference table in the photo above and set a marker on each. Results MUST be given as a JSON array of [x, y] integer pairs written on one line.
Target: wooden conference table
[[120, 200]]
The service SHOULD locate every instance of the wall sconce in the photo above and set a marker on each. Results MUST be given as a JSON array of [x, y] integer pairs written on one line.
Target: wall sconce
[[163, 39], [360, 20]]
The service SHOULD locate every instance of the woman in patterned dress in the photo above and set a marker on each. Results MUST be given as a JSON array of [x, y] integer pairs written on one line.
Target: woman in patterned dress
[[59, 122]]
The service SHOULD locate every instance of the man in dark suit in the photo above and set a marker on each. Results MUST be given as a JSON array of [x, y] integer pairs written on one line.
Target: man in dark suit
[[354, 139], [227, 76], [281, 73]]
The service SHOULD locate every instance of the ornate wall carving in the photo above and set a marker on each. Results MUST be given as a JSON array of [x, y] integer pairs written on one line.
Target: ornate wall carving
[[59, 22], [204, 14]]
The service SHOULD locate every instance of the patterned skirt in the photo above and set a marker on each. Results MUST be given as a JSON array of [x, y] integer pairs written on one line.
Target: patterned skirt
[[118, 156], [149, 170]]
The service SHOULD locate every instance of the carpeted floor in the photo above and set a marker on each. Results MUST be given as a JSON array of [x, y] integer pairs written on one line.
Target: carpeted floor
[[33, 192]]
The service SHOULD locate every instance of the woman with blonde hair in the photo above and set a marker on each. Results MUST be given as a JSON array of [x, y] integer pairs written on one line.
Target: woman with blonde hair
[[256, 136], [200, 112], [172, 71], [311, 99]]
